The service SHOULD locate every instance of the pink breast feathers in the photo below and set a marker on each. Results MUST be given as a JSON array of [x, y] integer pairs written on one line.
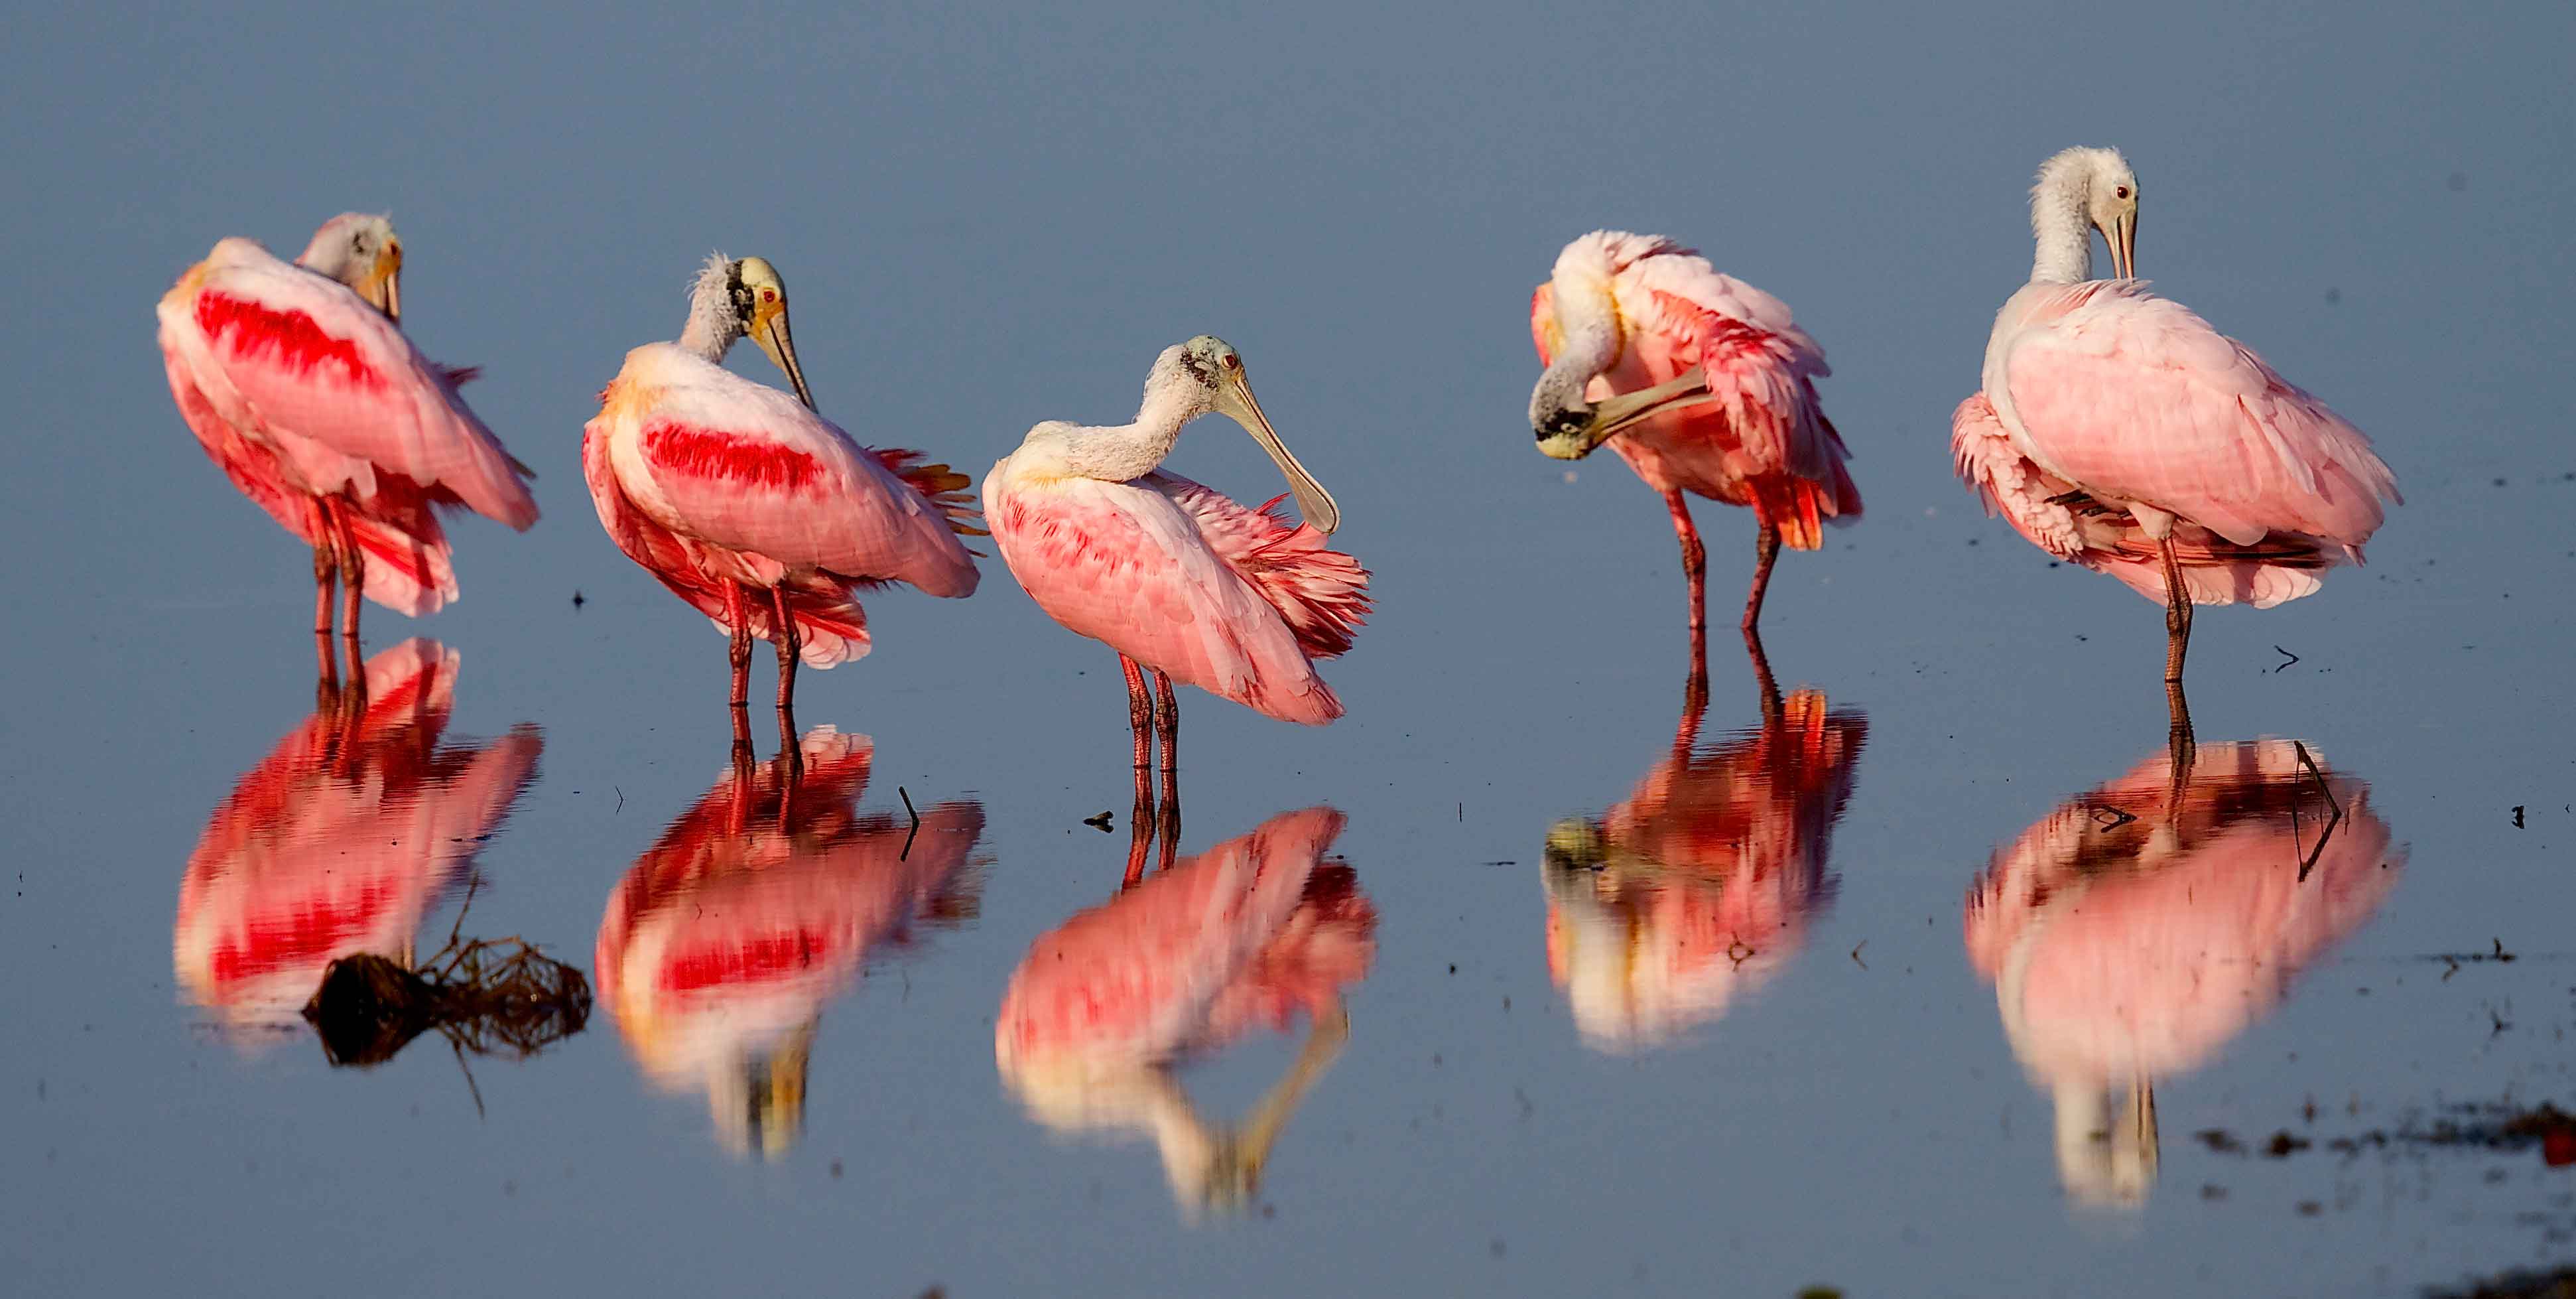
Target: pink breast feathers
[[290, 338], [708, 454]]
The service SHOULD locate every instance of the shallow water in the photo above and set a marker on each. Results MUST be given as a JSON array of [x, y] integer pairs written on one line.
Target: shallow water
[[1923, 976]]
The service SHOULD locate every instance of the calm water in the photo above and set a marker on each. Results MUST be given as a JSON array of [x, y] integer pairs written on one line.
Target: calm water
[[1926, 977]]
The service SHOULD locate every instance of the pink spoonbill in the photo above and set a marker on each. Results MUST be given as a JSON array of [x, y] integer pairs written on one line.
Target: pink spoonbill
[[1703, 384], [300, 385], [2119, 431], [757, 511], [1171, 574]]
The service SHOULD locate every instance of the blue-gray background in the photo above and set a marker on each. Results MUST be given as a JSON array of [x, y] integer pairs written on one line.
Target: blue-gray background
[[989, 217]]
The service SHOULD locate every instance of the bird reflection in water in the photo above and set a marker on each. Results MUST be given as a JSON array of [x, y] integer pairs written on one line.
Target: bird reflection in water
[[1183, 964], [341, 841], [2138, 928], [1702, 883], [755, 910]]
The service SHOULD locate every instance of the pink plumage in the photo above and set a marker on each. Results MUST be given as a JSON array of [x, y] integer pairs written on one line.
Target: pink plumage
[[2120, 431], [317, 408], [749, 505], [1624, 312]]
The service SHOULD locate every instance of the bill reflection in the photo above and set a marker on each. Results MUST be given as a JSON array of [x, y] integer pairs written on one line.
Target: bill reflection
[[341, 842], [755, 910], [2138, 928], [1185, 963], [1701, 885]]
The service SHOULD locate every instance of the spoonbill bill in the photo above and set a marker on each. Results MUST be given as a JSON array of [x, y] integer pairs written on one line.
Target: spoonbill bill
[[1703, 384], [300, 385], [2119, 431], [759, 512], [1171, 574]]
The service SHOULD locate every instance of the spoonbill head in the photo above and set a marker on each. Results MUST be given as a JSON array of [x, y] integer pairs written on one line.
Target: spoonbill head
[[362, 251], [2099, 189], [744, 297]]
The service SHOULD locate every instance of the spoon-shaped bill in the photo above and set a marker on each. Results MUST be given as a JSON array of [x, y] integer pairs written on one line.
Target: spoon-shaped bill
[[773, 337], [1234, 399], [1613, 415]]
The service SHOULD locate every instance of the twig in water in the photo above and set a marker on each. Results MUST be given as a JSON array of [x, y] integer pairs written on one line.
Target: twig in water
[[916, 823], [2285, 654], [1855, 954], [2310, 862]]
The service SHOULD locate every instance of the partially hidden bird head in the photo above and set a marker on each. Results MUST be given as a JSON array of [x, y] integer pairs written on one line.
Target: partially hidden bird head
[[360, 250], [2098, 184], [742, 297], [1213, 370]]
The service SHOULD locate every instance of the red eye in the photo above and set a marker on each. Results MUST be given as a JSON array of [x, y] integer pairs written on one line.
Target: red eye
[[2122, 192], [1231, 363], [771, 295]]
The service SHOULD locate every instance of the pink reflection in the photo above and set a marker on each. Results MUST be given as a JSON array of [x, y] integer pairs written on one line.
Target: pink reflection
[[2131, 934], [341, 841], [724, 943], [1245, 936], [1701, 885]]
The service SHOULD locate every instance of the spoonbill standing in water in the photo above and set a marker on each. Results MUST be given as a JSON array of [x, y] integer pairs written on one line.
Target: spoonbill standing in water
[[1171, 574], [1703, 384], [760, 513], [299, 383], [2119, 431]]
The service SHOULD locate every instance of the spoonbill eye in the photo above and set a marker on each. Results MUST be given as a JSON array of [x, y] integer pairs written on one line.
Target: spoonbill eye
[[1230, 361], [769, 295], [2121, 192]]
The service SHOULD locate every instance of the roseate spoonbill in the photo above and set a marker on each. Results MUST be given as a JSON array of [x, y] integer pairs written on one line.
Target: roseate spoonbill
[[1703, 384], [1171, 574], [301, 386], [2120, 431], [1197, 957], [755, 910], [756, 510], [1702, 883], [341, 841], [2137, 929]]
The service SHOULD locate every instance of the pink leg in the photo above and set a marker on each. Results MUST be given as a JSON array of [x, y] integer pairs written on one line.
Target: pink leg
[[353, 574], [1167, 724], [2177, 613], [1766, 548], [783, 631], [1694, 558], [1140, 722], [738, 653]]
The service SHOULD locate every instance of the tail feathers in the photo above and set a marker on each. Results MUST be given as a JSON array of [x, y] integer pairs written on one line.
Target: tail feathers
[[1800, 507], [946, 488], [1322, 592], [831, 628], [408, 569]]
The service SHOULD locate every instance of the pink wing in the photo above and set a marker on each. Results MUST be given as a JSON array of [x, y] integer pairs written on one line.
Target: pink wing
[[1322, 592], [338, 387], [832, 627], [1125, 564], [2136, 399], [2282, 566], [1761, 366], [748, 468]]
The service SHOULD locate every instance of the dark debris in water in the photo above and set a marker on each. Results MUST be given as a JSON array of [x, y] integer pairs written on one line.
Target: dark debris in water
[[2499, 1127], [2557, 1284], [491, 997]]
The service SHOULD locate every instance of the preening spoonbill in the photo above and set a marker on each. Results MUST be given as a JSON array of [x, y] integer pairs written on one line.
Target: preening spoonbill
[[1171, 574], [759, 512], [2126, 951], [2119, 431], [300, 385], [1703, 384]]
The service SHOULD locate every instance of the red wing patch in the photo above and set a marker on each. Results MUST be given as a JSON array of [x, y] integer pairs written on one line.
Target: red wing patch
[[292, 338], [305, 936], [769, 956], [707, 453]]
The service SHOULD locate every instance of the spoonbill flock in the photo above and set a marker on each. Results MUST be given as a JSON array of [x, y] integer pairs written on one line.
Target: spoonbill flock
[[2112, 427]]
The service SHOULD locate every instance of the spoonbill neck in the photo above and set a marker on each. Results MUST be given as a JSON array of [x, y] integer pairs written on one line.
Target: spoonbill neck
[[2064, 251], [1117, 453]]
